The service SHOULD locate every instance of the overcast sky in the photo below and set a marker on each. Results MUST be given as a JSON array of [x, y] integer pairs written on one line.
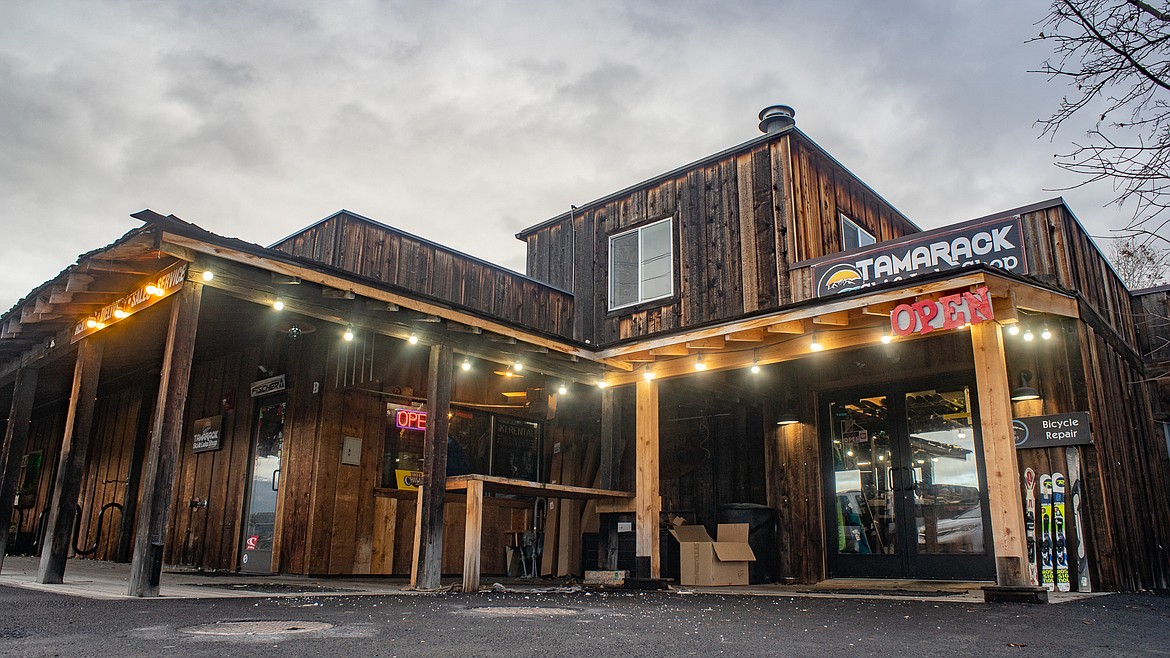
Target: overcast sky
[[464, 122]]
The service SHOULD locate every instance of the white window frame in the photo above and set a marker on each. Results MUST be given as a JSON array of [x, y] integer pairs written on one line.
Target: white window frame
[[641, 279], [848, 224]]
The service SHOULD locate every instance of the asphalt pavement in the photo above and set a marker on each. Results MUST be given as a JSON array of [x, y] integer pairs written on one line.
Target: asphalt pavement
[[579, 624]]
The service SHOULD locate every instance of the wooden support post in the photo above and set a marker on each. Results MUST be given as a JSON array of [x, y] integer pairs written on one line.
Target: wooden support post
[[429, 555], [165, 441], [472, 536], [999, 451], [15, 441], [609, 476], [71, 467], [648, 504]]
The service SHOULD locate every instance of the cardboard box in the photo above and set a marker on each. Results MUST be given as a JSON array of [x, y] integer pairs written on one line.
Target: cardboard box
[[704, 562]]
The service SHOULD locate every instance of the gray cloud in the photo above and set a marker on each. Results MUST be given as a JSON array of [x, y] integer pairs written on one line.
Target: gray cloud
[[465, 121]]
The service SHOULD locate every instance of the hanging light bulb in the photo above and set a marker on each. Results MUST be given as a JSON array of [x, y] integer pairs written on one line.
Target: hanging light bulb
[[1046, 334], [815, 345], [562, 389], [278, 305], [1014, 329], [601, 383], [413, 340], [466, 364], [348, 335], [208, 275], [755, 364], [887, 339], [517, 366], [1028, 335], [700, 365], [648, 374]]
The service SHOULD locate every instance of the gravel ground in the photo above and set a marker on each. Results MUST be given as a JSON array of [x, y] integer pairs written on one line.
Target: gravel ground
[[579, 625]]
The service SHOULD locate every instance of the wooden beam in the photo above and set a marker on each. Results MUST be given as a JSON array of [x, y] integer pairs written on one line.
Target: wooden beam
[[429, 559], [472, 536], [670, 350], [647, 502], [165, 442], [437, 312], [713, 343], [71, 464], [15, 442], [837, 319], [803, 313], [640, 357], [788, 327], [881, 309], [747, 336], [999, 450]]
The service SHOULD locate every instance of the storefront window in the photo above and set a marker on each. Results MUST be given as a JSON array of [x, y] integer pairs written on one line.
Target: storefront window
[[478, 442]]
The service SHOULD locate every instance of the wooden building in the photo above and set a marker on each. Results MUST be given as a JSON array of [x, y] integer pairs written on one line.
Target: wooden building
[[756, 334]]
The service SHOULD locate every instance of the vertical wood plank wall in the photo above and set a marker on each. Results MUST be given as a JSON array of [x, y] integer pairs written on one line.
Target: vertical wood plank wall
[[739, 222], [364, 247], [1125, 470]]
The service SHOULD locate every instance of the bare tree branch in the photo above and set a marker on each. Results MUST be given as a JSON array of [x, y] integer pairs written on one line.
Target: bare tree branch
[[1115, 55]]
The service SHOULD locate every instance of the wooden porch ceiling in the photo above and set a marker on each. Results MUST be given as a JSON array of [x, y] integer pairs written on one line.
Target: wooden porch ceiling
[[854, 322], [42, 322]]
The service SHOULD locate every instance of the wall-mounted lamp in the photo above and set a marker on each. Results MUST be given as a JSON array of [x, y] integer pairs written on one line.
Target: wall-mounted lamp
[[789, 415], [1025, 392]]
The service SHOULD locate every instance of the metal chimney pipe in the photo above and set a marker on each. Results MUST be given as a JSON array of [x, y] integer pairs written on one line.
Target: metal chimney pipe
[[776, 119]]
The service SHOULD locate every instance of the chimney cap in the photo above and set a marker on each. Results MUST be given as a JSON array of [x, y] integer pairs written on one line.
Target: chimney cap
[[777, 118]]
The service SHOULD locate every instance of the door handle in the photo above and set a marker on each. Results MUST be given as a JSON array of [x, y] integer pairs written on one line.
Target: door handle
[[275, 479]]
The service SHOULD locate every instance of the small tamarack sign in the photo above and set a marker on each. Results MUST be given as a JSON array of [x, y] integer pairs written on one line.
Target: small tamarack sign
[[208, 434]]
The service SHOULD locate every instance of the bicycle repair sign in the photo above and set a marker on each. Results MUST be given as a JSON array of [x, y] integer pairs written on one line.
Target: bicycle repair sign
[[1053, 431]]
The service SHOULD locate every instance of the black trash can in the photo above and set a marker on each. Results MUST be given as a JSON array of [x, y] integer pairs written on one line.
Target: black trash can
[[762, 537]]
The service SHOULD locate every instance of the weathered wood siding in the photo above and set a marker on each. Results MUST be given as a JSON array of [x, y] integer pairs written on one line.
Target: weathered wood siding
[[1128, 489], [366, 248], [739, 221]]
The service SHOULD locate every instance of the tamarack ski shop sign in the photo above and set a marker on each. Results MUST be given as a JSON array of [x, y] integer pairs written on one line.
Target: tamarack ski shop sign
[[948, 312], [158, 288], [997, 242], [208, 434]]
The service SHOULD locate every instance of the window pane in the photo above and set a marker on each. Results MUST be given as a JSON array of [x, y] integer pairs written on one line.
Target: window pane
[[657, 276], [853, 236], [623, 270]]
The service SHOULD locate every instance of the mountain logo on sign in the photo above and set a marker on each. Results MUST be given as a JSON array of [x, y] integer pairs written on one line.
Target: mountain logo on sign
[[840, 278]]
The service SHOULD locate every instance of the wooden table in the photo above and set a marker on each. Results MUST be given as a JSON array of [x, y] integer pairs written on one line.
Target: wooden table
[[476, 485]]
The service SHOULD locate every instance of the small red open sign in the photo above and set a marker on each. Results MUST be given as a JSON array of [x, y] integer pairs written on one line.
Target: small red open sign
[[411, 419]]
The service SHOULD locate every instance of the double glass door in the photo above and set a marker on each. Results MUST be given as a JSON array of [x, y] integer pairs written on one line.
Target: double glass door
[[906, 490]]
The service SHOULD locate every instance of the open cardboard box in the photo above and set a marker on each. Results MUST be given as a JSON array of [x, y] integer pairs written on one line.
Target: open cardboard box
[[704, 562]]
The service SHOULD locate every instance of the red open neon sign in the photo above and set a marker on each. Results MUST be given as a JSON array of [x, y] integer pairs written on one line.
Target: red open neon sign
[[411, 419]]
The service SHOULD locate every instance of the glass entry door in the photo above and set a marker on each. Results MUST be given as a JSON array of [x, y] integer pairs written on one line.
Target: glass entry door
[[906, 492], [260, 515]]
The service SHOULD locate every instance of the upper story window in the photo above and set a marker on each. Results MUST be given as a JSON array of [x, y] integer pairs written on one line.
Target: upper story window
[[853, 236], [641, 264]]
